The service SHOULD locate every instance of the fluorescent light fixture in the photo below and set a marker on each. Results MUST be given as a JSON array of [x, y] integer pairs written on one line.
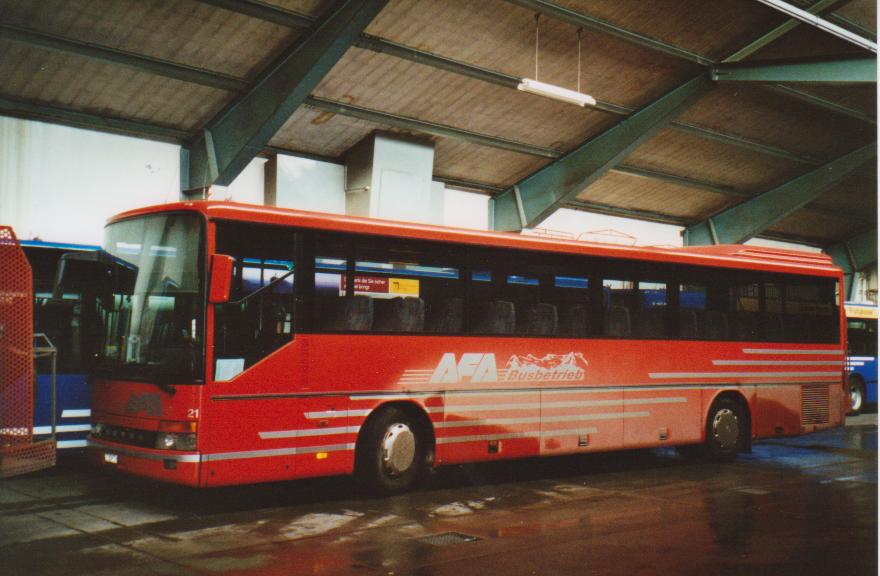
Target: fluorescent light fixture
[[556, 92]]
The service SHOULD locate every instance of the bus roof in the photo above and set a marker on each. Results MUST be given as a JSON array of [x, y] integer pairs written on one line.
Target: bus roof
[[727, 256]]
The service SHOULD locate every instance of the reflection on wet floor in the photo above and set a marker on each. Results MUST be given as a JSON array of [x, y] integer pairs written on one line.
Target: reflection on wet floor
[[804, 505]]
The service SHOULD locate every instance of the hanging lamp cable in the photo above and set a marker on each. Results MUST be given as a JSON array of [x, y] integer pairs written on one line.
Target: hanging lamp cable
[[537, 28], [580, 31]]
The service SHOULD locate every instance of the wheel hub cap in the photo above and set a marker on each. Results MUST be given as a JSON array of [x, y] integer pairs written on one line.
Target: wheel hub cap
[[725, 428], [398, 449]]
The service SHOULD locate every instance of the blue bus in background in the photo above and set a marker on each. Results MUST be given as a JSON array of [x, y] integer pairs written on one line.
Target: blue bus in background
[[861, 333], [67, 325]]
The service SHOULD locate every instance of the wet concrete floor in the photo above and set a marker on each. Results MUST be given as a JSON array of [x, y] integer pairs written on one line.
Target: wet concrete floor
[[803, 505]]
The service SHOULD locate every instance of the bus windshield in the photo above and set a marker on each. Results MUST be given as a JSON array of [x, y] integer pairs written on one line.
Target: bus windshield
[[152, 323]]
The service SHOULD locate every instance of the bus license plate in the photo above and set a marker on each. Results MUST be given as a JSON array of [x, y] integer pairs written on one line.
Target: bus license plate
[[111, 458]]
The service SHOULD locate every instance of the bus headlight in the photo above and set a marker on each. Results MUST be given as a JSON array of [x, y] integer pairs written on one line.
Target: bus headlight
[[175, 441], [97, 429]]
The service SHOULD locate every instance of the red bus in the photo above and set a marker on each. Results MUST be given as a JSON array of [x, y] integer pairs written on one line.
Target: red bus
[[247, 344]]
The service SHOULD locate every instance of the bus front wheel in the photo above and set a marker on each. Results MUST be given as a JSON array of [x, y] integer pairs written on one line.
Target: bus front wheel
[[726, 427], [856, 395], [390, 453]]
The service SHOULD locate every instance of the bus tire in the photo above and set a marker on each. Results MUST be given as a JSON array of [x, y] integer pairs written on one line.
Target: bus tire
[[856, 395], [726, 430], [390, 453]]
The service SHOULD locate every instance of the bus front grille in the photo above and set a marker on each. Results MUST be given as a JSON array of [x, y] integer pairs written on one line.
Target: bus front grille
[[814, 404]]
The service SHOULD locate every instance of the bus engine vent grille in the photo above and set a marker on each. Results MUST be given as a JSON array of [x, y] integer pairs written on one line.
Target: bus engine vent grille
[[814, 404]]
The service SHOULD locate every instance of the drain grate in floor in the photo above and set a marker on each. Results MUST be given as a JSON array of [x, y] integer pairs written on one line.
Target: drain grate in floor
[[447, 539]]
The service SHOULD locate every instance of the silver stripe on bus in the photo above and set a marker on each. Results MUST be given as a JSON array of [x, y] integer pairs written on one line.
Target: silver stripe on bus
[[666, 375], [309, 432], [862, 358], [513, 435], [795, 352], [539, 419], [276, 452], [76, 413], [71, 444], [441, 394], [486, 437], [569, 431], [336, 414], [144, 455], [62, 429], [777, 362]]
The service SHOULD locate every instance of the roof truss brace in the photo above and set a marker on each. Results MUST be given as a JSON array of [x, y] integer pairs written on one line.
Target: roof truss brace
[[854, 255], [743, 221], [244, 128], [561, 181], [822, 24], [843, 71]]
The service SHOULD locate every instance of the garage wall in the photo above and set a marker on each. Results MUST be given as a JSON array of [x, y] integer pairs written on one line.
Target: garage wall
[[61, 184]]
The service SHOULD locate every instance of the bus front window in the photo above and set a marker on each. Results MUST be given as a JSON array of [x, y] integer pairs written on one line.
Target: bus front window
[[152, 323]]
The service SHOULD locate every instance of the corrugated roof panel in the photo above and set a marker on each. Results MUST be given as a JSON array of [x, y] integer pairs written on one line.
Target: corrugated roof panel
[[806, 42], [856, 194], [633, 192], [821, 228], [466, 161], [189, 32], [862, 12], [55, 79], [500, 36], [858, 97], [715, 162], [713, 29], [401, 87], [757, 113], [322, 133], [311, 8]]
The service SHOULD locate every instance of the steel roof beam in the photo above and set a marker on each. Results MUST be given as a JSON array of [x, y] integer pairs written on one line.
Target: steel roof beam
[[101, 123], [824, 103], [264, 11], [376, 44], [434, 129], [842, 71], [157, 66], [854, 255], [538, 195], [804, 16], [745, 220], [238, 133], [820, 7], [580, 19]]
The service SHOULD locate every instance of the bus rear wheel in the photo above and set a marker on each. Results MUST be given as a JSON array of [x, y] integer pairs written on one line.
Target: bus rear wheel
[[390, 453], [725, 430], [856, 395]]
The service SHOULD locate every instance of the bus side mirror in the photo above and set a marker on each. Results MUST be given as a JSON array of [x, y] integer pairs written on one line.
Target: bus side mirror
[[221, 278]]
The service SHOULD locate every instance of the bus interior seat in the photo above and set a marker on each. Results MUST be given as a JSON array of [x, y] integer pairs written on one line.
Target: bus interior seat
[[345, 314], [399, 315], [715, 325], [538, 319], [687, 322], [617, 322], [494, 317], [652, 322], [445, 316], [774, 328], [573, 320], [746, 326]]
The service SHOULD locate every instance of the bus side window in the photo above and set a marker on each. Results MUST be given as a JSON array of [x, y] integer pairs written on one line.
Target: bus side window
[[619, 299], [258, 319]]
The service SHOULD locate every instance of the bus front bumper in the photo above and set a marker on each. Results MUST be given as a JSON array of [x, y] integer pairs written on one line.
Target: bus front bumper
[[164, 465]]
